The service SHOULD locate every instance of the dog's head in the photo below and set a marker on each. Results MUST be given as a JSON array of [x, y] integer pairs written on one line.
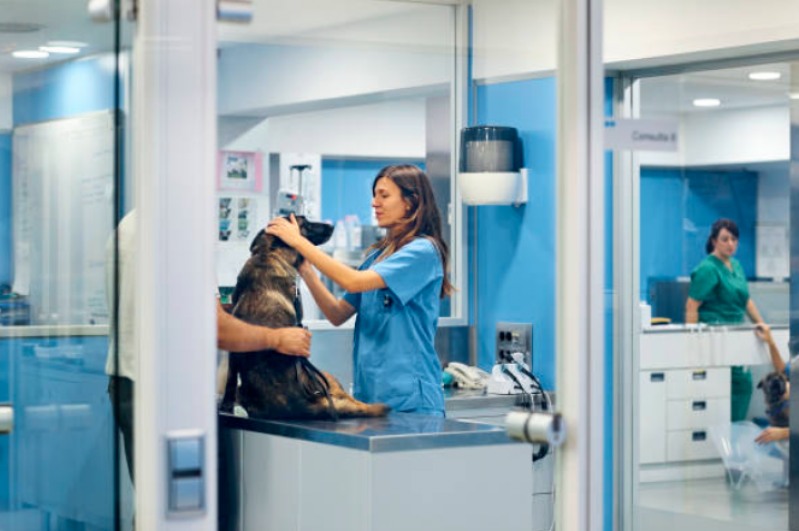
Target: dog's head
[[775, 391], [316, 233], [774, 386]]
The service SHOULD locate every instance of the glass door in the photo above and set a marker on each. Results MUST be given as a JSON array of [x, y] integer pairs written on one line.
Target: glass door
[[716, 210], [62, 87]]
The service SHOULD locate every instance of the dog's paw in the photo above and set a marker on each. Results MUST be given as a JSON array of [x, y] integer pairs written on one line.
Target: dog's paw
[[240, 411]]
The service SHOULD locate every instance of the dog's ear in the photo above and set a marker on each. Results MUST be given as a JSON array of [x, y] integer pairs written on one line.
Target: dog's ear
[[317, 233], [760, 384]]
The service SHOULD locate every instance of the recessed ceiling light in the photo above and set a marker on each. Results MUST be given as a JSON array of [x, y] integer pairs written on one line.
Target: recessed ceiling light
[[59, 49], [707, 102], [793, 95], [68, 44], [30, 54], [764, 76]]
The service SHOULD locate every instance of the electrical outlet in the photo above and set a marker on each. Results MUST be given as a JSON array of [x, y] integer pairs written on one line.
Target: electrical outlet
[[514, 337]]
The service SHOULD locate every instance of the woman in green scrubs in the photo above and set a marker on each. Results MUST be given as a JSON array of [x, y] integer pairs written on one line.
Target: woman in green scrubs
[[719, 295]]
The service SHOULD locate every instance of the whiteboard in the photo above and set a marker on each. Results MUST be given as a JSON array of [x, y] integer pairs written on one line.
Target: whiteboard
[[62, 214]]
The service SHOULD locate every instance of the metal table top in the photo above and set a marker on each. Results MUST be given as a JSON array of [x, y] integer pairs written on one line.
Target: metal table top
[[398, 432]]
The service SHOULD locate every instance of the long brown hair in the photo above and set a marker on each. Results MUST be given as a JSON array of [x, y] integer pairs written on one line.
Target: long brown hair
[[423, 219]]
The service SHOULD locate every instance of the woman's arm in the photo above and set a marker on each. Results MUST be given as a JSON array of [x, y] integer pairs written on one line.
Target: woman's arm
[[763, 331], [754, 314], [772, 434], [692, 310], [352, 280], [337, 311]]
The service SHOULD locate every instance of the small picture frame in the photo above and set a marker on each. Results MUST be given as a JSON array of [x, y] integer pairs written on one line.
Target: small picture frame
[[240, 171]]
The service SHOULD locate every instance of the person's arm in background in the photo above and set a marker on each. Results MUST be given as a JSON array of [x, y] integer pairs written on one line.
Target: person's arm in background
[[763, 332], [754, 314], [337, 311], [772, 434], [234, 335], [692, 310]]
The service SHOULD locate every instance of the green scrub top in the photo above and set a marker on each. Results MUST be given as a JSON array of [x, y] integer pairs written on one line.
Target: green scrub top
[[723, 293]]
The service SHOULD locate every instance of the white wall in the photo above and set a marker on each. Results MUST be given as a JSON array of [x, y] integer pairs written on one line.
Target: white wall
[[6, 112], [516, 37], [392, 129], [734, 136]]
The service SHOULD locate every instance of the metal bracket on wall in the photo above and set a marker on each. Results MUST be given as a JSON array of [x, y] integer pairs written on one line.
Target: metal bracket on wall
[[105, 10], [238, 11]]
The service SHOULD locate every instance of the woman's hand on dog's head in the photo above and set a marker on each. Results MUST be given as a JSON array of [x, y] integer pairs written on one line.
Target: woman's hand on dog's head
[[293, 341], [286, 230]]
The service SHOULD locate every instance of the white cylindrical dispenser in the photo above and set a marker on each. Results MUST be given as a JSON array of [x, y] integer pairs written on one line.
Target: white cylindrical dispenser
[[491, 166]]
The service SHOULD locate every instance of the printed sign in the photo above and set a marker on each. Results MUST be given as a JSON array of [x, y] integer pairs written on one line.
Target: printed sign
[[641, 135]]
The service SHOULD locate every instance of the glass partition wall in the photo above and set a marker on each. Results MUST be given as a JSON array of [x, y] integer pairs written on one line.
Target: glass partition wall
[[702, 258], [713, 213], [63, 87]]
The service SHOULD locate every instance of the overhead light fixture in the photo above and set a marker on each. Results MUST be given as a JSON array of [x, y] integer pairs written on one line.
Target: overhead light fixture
[[764, 76], [68, 44], [59, 49], [707, 102], [793, 95], [30, 54]]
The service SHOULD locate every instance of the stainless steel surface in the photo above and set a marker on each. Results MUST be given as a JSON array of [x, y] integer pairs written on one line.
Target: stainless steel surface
[[53, 331], [467, 399], [6, 419], [399, 432]]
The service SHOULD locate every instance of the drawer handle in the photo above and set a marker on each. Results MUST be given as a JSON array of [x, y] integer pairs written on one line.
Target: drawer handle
[[657, 377], [700, 375], [699, 436], [699, 405]]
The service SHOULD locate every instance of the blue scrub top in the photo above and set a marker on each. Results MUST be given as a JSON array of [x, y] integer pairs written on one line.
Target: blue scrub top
[[393, 352]]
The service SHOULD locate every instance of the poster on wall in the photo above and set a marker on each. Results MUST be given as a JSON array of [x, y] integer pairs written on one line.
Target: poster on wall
[[246, 218], [240, 170], [237, 219]]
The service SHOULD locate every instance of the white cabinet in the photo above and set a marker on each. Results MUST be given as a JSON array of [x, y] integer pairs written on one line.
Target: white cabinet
[[652, 417], [677, 408]]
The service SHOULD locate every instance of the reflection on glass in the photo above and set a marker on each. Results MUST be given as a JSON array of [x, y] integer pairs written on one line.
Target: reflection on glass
[[58, 192], [311, 111]]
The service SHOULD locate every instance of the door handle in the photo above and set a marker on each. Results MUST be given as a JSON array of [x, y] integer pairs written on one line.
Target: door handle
[[6, 418]]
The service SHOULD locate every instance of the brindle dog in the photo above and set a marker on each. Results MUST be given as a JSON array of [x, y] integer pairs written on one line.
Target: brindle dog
[[273, 385], [775, 388]]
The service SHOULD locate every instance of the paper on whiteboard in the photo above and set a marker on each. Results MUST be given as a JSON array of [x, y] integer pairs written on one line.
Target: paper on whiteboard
[[22, 269], [772, 251]]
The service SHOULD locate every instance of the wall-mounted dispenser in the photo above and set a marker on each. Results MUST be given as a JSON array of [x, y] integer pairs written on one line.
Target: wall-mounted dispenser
[[491, 170]]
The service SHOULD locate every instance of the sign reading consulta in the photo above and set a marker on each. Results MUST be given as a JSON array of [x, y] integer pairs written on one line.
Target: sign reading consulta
[[641, 135]]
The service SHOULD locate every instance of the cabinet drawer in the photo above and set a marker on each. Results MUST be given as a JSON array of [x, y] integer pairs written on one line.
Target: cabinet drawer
[[690, 445], [697, 413], [698, 383]]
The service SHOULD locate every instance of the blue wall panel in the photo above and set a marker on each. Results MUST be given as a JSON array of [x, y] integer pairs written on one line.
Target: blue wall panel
[[678, 208], [69, 89], [516, 246], [5, 209], [347, 186]]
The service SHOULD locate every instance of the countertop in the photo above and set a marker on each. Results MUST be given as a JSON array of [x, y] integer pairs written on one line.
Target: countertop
[[11, 332], [398, 432], [702, 327]]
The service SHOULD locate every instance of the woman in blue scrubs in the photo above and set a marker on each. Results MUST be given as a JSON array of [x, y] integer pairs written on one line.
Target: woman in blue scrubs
[[395, 292]]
